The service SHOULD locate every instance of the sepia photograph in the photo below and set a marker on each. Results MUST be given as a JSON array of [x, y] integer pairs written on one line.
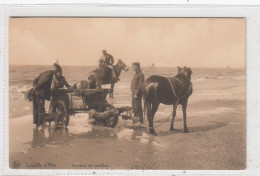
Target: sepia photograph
[[127, 93]]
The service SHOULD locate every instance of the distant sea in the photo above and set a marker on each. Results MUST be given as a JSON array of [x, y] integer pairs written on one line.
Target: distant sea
[[204, 79]]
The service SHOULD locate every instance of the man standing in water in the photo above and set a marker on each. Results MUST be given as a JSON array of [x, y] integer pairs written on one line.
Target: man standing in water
[[136, 88], [42, 92], [59, 82], [108, 60]]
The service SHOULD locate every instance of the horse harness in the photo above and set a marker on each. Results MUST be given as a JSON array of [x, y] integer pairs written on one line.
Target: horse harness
[[174, 92]]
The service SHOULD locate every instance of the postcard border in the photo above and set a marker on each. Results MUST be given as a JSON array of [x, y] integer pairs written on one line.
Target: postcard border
[[250, 12]]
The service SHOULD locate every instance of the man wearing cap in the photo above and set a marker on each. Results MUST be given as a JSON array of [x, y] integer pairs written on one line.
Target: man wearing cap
[[136, 88], [42, 92], [108, 60]]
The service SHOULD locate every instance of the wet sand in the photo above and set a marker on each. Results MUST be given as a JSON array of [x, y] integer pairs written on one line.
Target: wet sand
[[216, 138]]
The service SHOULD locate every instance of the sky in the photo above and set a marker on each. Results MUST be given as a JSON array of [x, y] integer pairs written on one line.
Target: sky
[[166, 42]]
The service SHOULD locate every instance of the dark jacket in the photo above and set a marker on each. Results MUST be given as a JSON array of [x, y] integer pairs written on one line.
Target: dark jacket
[[108, 59], [137, 82], [43, 84]]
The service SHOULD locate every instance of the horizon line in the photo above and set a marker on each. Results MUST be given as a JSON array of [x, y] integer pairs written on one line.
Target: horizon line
[[224, 67]]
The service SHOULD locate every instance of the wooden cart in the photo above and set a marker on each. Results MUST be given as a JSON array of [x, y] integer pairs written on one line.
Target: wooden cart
[[83, 101]]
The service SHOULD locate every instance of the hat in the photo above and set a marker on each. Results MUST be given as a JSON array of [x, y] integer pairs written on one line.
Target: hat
[[58, 67], [104, 50], [136, 63]]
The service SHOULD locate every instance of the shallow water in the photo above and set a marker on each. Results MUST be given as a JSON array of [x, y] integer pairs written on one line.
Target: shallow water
[[24, 135]]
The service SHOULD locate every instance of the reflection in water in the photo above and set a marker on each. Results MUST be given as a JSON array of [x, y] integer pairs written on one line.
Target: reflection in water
[[130, 134], [38, 137], [43, 136], [125, 133], [99, 132], [135, 134], [49, 137]]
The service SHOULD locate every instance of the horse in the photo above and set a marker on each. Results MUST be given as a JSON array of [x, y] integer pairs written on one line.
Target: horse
[[106, 77], [169, 91], [95, 79]]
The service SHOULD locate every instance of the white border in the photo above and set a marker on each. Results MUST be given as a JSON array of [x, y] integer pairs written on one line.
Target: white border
[[196, 2], [250, 10]]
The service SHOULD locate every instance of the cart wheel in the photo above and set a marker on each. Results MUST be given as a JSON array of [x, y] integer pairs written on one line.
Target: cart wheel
[[64, 115], [112, 120]]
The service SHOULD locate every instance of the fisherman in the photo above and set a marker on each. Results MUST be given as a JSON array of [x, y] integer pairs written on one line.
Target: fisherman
[[58, 82], [42, 92], [108, 58], [136, 88], [108, 61]]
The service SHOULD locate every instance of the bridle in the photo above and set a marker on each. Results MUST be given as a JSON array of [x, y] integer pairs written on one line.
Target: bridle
[[174, 92], [121, 65]]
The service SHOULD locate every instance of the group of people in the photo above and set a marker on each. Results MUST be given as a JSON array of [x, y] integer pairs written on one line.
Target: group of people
[[45, 87]]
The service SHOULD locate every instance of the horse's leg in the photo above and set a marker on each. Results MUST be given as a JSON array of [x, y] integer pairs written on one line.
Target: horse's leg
[[173, 117], [155, 106], [112, 90], [184, 107], [149, 116]]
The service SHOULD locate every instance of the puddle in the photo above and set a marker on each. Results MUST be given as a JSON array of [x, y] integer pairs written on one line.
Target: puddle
[[24, 135], [80, 123], [125, 134]]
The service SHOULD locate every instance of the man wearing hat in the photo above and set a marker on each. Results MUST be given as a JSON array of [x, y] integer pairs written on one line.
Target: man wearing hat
[[136, 88], [108, 60], [42, 92]]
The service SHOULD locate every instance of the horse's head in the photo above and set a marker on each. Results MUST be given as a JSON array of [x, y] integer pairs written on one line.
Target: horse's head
[[186, 71], [121, 65]]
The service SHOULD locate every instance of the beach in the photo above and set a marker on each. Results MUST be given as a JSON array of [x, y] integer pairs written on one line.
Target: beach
[[216, 119]]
